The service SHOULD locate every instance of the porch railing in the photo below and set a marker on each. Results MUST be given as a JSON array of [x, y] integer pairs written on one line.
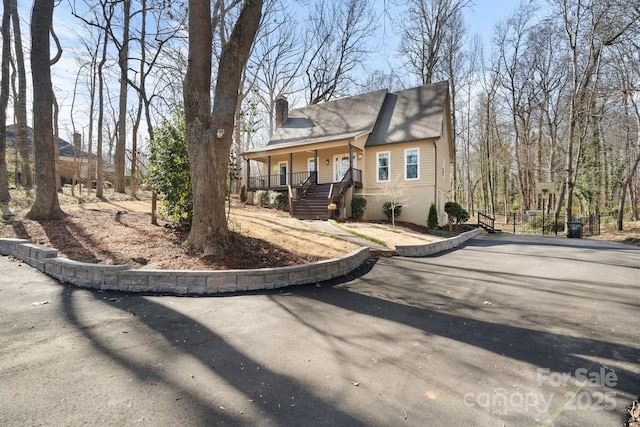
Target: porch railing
[[308, 183], [303, 180], [486, 222], [349, 179], [357, 176], [278, 180]]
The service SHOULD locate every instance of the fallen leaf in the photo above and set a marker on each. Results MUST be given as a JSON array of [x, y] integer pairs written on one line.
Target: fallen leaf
[[40, 303]]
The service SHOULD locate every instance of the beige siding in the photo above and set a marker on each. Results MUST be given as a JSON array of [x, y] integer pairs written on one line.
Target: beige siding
[[414, 210], [418, 194]]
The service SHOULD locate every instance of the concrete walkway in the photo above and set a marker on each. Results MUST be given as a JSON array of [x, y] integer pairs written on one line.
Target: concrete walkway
[[327, 227]]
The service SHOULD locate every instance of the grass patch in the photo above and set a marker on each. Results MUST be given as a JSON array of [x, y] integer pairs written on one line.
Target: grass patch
[[355, 233]]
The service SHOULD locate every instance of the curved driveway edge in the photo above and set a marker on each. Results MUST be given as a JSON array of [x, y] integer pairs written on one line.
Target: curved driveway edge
[[182, 282], [435, 247]]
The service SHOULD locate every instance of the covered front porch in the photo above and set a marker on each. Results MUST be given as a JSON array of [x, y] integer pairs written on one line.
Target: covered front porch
[[277, 170]]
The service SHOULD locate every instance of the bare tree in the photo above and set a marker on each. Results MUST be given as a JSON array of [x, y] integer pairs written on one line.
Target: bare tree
[[515, 71], [123, 61], [153, 38], [590, 27], [101, 104], [4, 100], [46, 205], [20, 103], [336, 45], [210, 131], [426, 26], [626, 64], [275, 62]]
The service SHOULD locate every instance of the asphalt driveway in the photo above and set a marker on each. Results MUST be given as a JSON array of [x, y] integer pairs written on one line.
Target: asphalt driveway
[[509, 330]]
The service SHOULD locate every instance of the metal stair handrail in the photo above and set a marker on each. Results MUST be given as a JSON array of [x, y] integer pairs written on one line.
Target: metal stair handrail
[[308, 183], [486, 222], [345, 182]]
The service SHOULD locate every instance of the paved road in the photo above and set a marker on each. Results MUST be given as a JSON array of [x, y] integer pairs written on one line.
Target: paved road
[[501, 332]]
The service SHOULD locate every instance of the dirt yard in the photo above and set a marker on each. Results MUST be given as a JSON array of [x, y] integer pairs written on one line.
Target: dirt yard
[[93, 232], [392, 237]]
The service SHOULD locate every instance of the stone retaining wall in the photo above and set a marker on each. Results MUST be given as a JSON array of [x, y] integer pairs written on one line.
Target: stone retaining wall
[[435, 247], [122, 278]]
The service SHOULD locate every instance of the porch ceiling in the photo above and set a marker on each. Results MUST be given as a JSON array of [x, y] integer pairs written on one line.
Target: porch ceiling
[[305, 146]]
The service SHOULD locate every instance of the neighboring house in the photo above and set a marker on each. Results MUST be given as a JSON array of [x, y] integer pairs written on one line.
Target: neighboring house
[[69, 162], [372, 145]]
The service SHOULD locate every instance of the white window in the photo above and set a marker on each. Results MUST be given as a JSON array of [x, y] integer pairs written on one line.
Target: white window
[[311, 164], [412, 163], [383, 165]]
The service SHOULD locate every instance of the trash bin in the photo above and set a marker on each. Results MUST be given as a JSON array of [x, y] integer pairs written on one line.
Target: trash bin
[[574, 230]]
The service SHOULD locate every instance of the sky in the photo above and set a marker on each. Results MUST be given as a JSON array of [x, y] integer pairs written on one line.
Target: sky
[[480, 19]]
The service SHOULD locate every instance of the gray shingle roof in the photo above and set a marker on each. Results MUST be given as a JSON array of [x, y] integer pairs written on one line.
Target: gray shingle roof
[[408, 115], [330, 120], [411, 114]]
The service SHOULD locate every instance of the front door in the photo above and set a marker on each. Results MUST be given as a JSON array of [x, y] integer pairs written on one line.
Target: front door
[[282, 170], [341, 166]]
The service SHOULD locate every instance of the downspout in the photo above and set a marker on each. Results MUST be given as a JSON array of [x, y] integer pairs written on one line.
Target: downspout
[[351, 182], [269, 172], [435, 176]]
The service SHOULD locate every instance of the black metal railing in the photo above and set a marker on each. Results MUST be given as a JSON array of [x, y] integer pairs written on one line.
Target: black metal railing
[[486, 222], [537, 222], [280, 180]]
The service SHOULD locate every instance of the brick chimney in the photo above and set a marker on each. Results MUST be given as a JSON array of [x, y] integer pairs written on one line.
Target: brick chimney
[[282, 110]]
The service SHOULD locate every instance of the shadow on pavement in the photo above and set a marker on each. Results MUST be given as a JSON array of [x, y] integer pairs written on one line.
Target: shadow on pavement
[[224, 360]]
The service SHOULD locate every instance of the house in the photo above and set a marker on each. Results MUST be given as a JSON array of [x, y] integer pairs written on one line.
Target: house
[[70, 162], [375, 144]]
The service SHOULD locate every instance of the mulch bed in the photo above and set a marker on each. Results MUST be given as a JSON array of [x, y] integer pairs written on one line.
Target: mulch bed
[[97, 236]]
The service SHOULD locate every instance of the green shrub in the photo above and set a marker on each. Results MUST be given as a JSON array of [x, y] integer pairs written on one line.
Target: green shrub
[[387, 210], [281, 202], [463, 217], [263, 198], [358, 205], [432, 219], [456, 213], [534, 224], [168, 173], [243, 193]]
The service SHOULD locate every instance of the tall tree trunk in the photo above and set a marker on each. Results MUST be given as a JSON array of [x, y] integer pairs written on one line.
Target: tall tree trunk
[[56, 144], [121, 142], [4, 101], [99, 159], [208, 154], [91, 170], [626, 184], [46, 205], [141, 95], [21, 102]]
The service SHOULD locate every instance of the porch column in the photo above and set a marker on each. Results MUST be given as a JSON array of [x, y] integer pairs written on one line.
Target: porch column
[[315, 164], [248, 174], [351, 162], [290, 168], [269, 172]]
